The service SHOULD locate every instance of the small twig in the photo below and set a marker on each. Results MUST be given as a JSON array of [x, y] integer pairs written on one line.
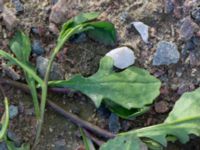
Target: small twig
[[73, 118], [93, 138]]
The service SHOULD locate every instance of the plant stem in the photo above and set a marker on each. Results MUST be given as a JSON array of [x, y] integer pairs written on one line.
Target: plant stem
[[31, 84], [73, 118], [44, 86]]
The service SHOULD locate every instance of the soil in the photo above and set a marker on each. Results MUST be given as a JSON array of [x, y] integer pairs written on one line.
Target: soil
[[83, 58]]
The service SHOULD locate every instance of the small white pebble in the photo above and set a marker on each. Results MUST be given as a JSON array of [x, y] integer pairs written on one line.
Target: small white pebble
[[123, 57]]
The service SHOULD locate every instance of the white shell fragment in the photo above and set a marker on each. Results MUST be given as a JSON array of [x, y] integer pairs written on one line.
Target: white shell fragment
[[122, 56], [143, 30]]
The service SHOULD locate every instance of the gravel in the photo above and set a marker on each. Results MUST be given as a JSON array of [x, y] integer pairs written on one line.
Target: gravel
[[37, 47], [114, 124], [13, 110], [56, 71], [166, 54]]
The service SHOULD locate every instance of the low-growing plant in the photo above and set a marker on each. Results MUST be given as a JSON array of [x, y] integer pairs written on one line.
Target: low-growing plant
[[181, 122], [128, 92]]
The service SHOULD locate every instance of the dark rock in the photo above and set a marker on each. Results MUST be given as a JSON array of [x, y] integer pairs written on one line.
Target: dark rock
[[13, 110], [195, 14], [114, 124], [37, 47], [18, 6], [103, 112], [53, 2], [169, 6], [166, 54], [196, 41], [13, 137], [35, 31], [56, 71], [188, 28], [161, 107], [3, 146], [79, 38]]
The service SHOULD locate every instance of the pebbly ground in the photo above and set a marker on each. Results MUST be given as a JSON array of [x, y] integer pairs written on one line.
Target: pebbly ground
[[172, 25]]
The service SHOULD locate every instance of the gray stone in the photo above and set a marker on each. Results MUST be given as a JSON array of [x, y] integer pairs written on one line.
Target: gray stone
[[188, 28], [3, 146], [9, 19], [59, 12], [60, 144], [143, 30], [13, 110], [114, 124], [18, 6], [166, 54], [13, 137], [56, 71], [37, 47], [1, 5], [195, 14]]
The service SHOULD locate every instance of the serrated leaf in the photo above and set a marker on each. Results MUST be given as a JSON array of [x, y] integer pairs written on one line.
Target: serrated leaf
[[129, 142], [20, 46], [182, 121], [131, 88]]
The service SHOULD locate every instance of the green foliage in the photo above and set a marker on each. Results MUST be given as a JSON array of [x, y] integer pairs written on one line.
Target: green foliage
[[100, 31], [21, 46], [11, 146], [4, 120], [131, 88], [182, 121]]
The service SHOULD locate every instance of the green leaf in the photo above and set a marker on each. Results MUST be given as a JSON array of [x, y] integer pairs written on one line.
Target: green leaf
[[11, 146], [182, 121], [103, 32], [131, 88], [20, 46], [124, 113], [129, 142], [24, 66], [85, 17], [5, 120]]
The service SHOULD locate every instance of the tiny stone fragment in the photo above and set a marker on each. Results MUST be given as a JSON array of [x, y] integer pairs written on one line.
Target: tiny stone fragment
[[37, 47], [195, 14], [169, 6], [56, 71], [123, 57], [18, 6], [187, 29], [13, 110], [59, 12], [114, 124], [161, 107], [166, 54], [1, 5], [9, 19], [143, 30]]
